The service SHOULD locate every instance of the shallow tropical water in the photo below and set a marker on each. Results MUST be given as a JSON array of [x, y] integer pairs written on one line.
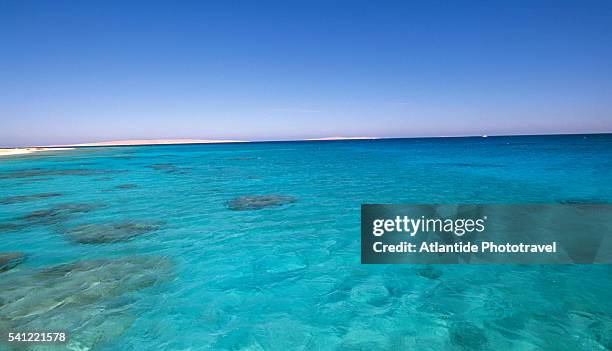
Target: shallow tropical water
[[256, 246]]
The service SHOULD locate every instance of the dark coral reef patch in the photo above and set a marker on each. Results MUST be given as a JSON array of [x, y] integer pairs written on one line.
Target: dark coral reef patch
[[41, 172], [162, 166], [257, 202], [468, 336], [126, 186], [58, 213], [11, 227], [9, 260], [89, 298], [168, 168], [429, 273], [473, 165], [27, 198], [110, 232], [582, 201]]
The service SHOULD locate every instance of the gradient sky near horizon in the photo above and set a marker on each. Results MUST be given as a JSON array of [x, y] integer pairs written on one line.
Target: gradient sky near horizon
[[83, 71]]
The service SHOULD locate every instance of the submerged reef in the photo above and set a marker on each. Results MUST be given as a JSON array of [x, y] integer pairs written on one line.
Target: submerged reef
[[102, 179], [26, 198], [468, 336], [257, 202], [34, 180], [11, 227], [243, 158], [123, 157], [429, 273], [41, 172], [168, 168], [9, 260], [110, 232], [58, 213], [163, 167], [49, 216], [126, 186], [470, 165], [122, 187], [582, 201], [89, 298]]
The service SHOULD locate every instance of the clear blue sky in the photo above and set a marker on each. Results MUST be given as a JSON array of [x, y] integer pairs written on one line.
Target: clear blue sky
[[81, 71]]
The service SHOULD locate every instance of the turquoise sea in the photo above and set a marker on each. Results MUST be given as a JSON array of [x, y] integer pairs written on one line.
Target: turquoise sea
[[256, 246]]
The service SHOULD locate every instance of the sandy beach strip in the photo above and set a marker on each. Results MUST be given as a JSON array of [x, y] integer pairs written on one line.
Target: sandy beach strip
[[135, 142], [339, 138], [29, 150]]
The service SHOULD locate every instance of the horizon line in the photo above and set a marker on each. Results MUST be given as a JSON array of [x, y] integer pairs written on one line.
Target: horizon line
[[192, 141]]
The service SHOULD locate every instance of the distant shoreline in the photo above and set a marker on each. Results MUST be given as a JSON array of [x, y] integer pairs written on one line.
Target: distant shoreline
[[29, 150], [144, 142], [9, 151], [193, 141], [136, 142]]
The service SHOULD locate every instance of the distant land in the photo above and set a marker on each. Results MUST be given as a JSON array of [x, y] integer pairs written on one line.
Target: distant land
[[344, 138], [134, 142], [28, 150]]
